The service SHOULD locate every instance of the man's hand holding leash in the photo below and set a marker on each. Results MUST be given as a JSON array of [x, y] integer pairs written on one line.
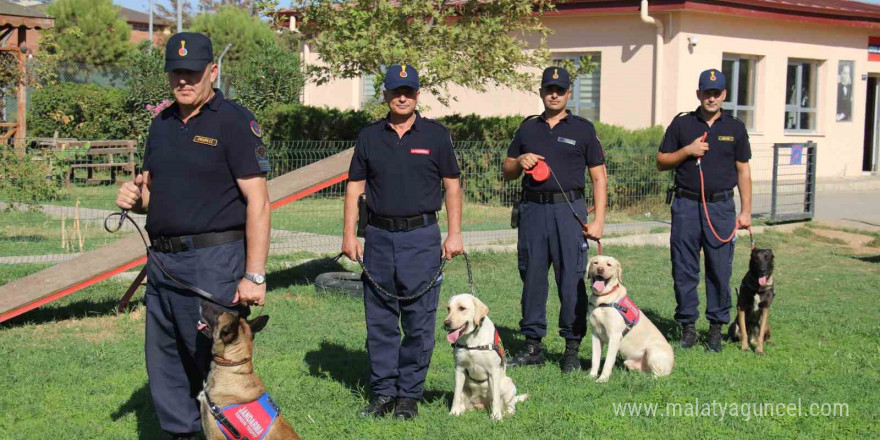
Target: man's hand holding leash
[[129, 195], [249, 293]]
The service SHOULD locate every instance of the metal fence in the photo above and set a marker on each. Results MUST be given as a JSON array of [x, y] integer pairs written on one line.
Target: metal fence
[[69, 217]]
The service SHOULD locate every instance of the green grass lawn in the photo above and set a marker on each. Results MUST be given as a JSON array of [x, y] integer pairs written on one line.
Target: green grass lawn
[[75, 370], [31, 233]]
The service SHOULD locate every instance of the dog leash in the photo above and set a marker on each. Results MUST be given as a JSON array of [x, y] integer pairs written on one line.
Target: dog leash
[[541, 176], [420, 293], [736, 225], [202, 293]]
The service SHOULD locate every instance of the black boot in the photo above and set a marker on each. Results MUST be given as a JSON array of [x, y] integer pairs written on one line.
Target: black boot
[[407, 408], [379, 406], [570, 360], [714, 343], [688, 335], [533, 354]]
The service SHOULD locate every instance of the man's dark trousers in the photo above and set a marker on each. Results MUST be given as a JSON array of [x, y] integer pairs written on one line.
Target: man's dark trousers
[[178, 356], [690, 233], [550, 233], [402, 263]]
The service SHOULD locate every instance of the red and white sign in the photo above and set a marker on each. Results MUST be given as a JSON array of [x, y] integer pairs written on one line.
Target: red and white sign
[[422, 151]]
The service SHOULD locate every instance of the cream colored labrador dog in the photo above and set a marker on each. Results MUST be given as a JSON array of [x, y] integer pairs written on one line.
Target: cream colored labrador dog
[[480, 365], [617, 322]]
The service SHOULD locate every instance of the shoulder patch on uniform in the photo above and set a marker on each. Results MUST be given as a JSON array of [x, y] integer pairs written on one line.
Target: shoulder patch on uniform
[[529, 118], [682, 114], [255, 129], [580, 118], [262, 156]]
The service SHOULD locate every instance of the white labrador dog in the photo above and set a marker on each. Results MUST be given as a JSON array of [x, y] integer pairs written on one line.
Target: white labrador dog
[[617, 322], [480, 365]]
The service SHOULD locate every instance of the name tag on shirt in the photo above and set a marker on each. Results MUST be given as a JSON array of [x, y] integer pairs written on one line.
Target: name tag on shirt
[[567, 140], [205, 140], [422, 151], [725, 138]]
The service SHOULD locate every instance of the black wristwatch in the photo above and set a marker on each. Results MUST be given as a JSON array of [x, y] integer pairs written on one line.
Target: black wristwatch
[[256, 278]]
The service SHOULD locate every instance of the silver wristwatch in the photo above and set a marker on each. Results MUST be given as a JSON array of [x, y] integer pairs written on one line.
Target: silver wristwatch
[[256, 278]]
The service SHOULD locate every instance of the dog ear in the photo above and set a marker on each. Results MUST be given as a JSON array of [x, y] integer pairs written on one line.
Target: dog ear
[[258, 323], [229, 332], [590, 264], [619, 271], [480, 311]]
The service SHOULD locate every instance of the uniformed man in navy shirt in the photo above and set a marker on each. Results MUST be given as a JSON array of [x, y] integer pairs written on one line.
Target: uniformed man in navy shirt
[[725, 154], [203, 188], [548, 231], [400, 162]]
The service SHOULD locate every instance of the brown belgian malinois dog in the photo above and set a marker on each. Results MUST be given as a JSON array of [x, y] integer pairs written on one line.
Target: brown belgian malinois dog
[[234, 403]]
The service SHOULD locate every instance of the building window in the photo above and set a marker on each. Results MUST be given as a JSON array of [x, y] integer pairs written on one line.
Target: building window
[[584, 100], [140, 27], [740, 101], [800, 96]]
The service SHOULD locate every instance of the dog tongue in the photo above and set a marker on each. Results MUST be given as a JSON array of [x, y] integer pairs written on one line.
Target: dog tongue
[[202, 326], [762, 281], [453, 336], [599, 285]]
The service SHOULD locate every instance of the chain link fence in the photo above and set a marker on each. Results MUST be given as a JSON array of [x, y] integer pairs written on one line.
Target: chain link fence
[[77, 190]]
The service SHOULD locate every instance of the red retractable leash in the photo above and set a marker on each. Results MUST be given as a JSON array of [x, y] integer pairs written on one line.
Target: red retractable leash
[[736, 226], [541, 172]]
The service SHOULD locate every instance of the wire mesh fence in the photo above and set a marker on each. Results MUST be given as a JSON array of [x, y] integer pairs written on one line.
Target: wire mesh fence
[[76, 182]]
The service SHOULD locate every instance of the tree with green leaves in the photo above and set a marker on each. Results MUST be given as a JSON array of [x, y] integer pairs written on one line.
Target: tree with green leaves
[[267, 76], [89, 32], [473, 43], [233, 25]]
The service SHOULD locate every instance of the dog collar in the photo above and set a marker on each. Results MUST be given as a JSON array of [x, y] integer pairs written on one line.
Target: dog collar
[[497, 347], [227, 363]]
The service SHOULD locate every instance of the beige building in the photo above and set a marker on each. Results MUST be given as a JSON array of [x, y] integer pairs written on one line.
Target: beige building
[[797, 71]]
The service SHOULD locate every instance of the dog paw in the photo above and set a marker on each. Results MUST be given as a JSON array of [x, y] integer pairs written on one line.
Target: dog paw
[[456, 411], [744, 348], [603, 379], [594, 374], [760, 351], [496, 415]]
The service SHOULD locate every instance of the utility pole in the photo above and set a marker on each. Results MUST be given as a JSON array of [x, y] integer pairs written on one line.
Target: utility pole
[[151, 26], [179, 16]]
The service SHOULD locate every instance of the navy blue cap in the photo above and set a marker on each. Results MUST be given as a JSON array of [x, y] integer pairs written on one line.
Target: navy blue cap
[[556, 76], [712, 79], [397, 76], [188, 51]]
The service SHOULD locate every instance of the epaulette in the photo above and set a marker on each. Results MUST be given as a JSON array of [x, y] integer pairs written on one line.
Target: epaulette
[[529, 118], [682, 114], [435, 122], [581, 118]]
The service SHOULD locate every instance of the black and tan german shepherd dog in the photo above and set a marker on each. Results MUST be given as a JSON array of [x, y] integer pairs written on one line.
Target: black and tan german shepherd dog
[[756, 293]]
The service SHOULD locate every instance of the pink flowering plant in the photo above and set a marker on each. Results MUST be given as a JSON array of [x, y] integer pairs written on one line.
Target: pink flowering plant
[[156, 109]]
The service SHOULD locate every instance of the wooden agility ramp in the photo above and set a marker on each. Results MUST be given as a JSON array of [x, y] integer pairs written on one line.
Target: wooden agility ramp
[[30, 292]]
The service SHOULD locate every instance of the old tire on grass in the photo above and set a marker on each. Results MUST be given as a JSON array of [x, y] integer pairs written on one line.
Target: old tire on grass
[[340, 282]]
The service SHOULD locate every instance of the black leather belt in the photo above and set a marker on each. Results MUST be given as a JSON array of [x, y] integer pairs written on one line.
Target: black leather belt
[[550, 197], [710, 198], [402, 224], [168, 244]]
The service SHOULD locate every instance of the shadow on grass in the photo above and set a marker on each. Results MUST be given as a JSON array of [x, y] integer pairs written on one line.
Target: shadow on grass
[[140, 403], [305, 273], [351, 368], [670, 328], [78, 309], [872, 259]]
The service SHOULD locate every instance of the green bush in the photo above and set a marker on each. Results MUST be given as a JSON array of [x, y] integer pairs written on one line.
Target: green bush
[[146, 85], [266, 76], [82, 111], [27, 180], [287, 122]]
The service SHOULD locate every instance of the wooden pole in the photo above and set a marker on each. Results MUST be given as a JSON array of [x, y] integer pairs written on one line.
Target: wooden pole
[[21, 118]]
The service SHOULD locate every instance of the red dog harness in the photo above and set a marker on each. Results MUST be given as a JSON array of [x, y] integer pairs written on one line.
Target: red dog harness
[[245, 421], [628, 310]]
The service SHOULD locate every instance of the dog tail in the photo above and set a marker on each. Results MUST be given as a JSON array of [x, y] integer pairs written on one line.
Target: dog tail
[[520, 398]]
